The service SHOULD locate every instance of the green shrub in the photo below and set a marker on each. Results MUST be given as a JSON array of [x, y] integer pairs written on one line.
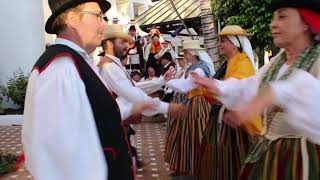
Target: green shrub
[[6, 162], [16, 88]]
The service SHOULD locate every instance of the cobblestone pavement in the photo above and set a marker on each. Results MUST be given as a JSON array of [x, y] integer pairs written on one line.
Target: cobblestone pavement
[[149, 139]]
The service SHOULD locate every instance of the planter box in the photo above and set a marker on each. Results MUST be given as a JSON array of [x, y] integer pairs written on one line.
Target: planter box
[[10, 120], [2, 111], [11, 111]]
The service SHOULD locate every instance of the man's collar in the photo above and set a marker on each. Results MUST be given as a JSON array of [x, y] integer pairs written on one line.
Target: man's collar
[[70, 44], [117, 60]]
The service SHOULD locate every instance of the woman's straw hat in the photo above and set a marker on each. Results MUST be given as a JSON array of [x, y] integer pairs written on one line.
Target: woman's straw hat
[[233, 30], [192, 44]]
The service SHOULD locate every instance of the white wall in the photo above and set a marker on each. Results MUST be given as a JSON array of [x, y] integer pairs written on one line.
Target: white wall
[[22, 38], [49, 38]]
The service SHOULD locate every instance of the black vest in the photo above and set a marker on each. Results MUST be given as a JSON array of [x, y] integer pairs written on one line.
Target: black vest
[[105, 110]]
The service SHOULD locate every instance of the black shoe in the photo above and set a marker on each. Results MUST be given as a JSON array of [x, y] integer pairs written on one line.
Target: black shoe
[[141, 164]]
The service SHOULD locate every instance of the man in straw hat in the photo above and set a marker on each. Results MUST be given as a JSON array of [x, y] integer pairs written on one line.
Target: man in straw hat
[[72, 125], [115, 44]]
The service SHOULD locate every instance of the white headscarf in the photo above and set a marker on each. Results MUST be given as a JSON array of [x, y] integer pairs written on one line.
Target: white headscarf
[[204, 56], [244, 43]]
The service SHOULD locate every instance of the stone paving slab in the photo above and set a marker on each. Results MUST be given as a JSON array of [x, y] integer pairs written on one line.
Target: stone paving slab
[[150, 140]]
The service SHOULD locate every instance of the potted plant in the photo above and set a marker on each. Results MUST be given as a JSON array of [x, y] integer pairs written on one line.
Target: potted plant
[[16, 89], [2, 111], [10, 162]]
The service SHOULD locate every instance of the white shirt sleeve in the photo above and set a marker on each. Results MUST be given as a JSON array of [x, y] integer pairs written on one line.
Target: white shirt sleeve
[[125, 108], [300, 97], [151, 86], [173, 54], [236, 92], [59, 134], [184, 85], [122, 86], [146, 52]]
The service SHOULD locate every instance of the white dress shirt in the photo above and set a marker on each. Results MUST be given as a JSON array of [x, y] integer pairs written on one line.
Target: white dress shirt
[[185, 85], [151, 86], [59, 134], [134, 57], [168, 49], [119, 81]]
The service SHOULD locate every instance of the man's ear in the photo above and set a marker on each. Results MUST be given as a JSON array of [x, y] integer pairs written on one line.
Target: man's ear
[[72, 19], [109, 45]]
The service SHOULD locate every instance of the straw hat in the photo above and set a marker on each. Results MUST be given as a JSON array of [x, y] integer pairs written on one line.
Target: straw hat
[[115, 31], [192, 44], [233, 30], [59, 6]]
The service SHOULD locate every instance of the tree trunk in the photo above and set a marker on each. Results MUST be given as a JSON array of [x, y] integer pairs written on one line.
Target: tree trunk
[[209, 31]]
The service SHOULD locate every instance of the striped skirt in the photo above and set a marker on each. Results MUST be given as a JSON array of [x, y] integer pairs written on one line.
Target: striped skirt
[[283, 160], [185, 135], [177, 98], [223, 150]]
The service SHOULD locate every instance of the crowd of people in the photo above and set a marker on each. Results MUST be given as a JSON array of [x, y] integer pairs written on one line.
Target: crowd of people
[[238, 122]]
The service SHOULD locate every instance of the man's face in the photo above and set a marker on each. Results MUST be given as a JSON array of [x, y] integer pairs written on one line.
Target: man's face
[[120, 48], [132, 33], [165, 44], [151, 72], [164, 61], [187, 56], [136, 78], [90, 26], [155, 39], [182, 62]]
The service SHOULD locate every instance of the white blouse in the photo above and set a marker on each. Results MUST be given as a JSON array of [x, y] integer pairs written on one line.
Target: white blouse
[[299, 95]]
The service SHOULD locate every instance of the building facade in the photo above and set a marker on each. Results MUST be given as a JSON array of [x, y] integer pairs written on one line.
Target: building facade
[[23, 38]]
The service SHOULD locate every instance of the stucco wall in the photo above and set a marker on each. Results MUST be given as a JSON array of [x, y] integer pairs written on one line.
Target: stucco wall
[[22, 37]]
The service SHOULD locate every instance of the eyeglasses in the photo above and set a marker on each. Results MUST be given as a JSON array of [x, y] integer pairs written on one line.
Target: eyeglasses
[[100, 15]]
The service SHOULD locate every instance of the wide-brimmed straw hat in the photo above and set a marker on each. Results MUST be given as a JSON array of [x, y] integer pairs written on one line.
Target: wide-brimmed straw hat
[[192, 44], [115, 31], [234, 30], [59, 6]]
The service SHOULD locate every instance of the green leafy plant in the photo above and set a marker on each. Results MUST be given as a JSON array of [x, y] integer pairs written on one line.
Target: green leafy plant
[[16, 88], [7, 161], [1, 109]]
